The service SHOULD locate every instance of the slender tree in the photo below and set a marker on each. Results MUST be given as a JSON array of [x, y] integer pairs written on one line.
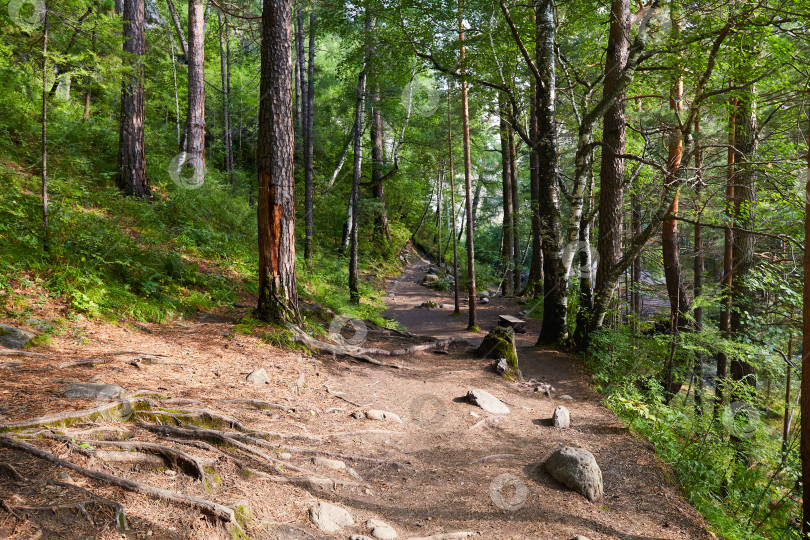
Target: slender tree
[[309, 145], [224, 62], [465, 133], [805, 384], [507, 243], [46, 242], [278, 296], [451, 173], [195, 139], [131, 178]]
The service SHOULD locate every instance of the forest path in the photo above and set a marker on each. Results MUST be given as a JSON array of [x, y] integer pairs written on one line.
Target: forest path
[[436, 472]]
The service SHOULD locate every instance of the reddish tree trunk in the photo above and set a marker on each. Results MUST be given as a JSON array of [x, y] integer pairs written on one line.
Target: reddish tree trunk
[[195, 138], [131, 157], [465, 133], [278, 296], [309, 145]]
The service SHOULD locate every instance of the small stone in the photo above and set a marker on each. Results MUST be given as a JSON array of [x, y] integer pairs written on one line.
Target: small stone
[[561, 417], [487, 401], [285, 455], [580, 537], [354, 474], [484, 300], [500, 366], [577, 469], [375, 414], [380, 529], [360, 537], [566, 396], [358, 415], [259, 376], [169, 472], [429, 305], [330, 518], [64, 477], [13, 337], [430, 279], [92, 391], [334, 464]]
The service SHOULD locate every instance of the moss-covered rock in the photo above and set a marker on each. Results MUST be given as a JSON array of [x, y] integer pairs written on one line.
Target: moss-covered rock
[[500, 343]]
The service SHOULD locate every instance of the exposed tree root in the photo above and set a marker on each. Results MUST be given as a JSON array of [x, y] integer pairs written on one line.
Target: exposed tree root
[[210, 508], [356, 353], [341, 396], [16, 352], [7, 470], [206, 416], [306, 480], [58, 418], [86, 362], [491, 458], [267, 405]]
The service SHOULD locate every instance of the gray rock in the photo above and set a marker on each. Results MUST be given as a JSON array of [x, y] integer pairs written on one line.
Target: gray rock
[[487, 401], [566, 396], [561, 417], [580, 537], [259, 377], [380, 529], [13, 337], [500, 366], [330, 518], [334, 464], [483, 294], [430, 279], [358, 415], [375, 414], [484, 300], [429, 304], [447, 306], [577, 469], [92, 391], [360, 537]]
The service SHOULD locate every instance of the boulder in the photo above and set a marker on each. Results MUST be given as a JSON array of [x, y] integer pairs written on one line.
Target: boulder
[[330, 518], [259, 376], [92, 391], [380, 529], [561, 417], [430, 279], [334, 464], [577, 469], [500, 343], [428, 305], [13, 337], [487, 401], [484, 300]]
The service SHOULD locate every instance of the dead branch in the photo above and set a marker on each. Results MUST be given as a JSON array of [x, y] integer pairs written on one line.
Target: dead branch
[[72, 415]]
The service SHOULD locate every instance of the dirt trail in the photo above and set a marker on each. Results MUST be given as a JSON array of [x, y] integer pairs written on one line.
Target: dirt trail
[[433, 473]]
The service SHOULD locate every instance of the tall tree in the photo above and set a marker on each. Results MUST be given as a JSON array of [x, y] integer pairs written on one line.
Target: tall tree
[[507, 244], [536, 271], [451, 173], [465, 133], [46, 241], [195, 139], [354, 279], [611, 176], [131, 178], [225, 70], [381, 227], [805, 384], [515, 193], [309, 144], [278, 296]]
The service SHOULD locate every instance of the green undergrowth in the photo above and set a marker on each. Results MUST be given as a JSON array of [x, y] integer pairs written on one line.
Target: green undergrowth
[[729, 462]]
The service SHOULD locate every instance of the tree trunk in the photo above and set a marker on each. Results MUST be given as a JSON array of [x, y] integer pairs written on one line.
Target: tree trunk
[[46, 241], [439, 191], [354, 284], [278, 296], [514, 192], [743, 245], [465, 133], [611, 193], [300, 87], [381, 230], [457, 308], [678, 301], [507, 251], [131, 178], [536, 272], [181, 37], [195, 138], [309, 145], [224, 62], [728, 250], [555, 282], [805, 384], [635, 297]]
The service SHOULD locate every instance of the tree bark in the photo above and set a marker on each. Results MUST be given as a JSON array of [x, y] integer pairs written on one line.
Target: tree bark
[[300, 86], [224, 64], [46, 241], [439, 192], [536, 272], [309, 145], [354, 282], [131, 178], [514, 192], [507, 251], [465, 133], [381, 230], [456, 302], [195, 138], [555, 283], [743, 245], [278, 296], [611, 193], [805, 384], [178, 28]]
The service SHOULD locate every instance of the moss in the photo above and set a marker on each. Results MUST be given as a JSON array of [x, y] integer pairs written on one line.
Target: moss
[[500, 343]]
